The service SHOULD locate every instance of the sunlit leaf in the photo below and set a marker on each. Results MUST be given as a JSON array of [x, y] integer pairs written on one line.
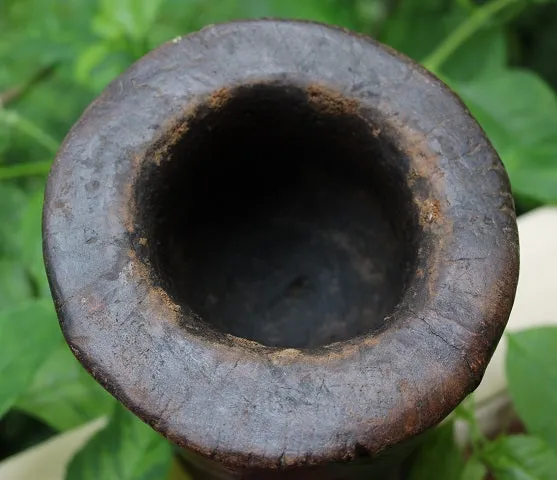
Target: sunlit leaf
[[89, 59], [521, 457], [533, 380], [473, 470], [63, 394], [126, 17], [127, 449], [519, 114]]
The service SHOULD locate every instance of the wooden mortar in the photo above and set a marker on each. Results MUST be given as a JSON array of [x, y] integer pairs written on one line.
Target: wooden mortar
[[286, 247]]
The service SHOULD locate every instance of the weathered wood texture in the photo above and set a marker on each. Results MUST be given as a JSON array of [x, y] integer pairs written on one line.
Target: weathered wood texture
[[286, 247]]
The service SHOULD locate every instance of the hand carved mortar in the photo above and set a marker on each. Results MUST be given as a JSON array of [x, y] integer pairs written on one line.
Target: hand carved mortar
[[287, 248]]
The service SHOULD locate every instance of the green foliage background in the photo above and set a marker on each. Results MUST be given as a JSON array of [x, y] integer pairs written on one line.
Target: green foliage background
[[56, 56]]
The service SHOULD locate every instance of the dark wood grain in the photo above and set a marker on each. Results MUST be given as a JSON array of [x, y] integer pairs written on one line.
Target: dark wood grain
[[287, 248]]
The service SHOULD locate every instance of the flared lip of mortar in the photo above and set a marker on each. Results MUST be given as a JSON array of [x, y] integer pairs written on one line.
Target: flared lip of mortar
[[234, 400]]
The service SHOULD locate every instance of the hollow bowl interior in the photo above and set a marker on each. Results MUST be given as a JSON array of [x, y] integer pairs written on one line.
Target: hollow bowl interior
[[278, 214]]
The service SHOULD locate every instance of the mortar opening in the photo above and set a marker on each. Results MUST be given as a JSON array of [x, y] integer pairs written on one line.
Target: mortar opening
[[280, 216]]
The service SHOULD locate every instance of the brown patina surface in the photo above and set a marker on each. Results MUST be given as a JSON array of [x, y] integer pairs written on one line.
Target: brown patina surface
[[287, 248]]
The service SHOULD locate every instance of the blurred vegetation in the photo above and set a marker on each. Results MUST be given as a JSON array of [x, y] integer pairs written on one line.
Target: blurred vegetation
[[56, 57]]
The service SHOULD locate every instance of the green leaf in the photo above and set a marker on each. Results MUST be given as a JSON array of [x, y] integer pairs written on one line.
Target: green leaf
[[474, 470], [127, 449], [28, 334], [118, 58], [540, 52], [30, 242], [132, 18], [13, 199], [438, 458], [520, 457], [316, 10], [14, 284], [15, 120], [89, 59], [63, 394], [144, 14], [474, 23], [417, 28], [483, 54], [25, 169], [532, 380], [519, 114]]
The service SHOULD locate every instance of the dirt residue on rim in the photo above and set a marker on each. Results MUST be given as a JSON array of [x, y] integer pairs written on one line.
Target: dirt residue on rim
[[125, 209], [430, 211], [219, 98], [172, 137], [330, 102], [156, 297], [177, 127]]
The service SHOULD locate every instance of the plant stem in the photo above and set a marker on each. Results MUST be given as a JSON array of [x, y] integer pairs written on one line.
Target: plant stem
[[24, 170], [32, 130], [465, 30], [15, 93]]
